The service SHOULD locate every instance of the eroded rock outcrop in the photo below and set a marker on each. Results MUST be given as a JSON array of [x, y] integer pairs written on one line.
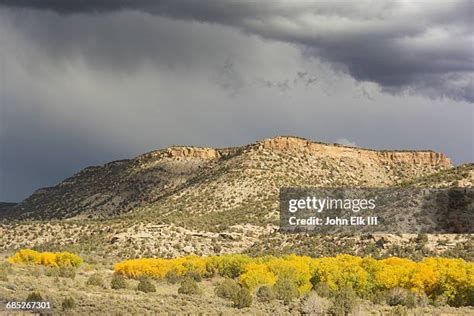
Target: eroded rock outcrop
[[288, 143]]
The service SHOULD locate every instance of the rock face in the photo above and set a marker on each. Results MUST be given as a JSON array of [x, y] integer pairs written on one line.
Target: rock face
[[418, 157], [185, 152], [203, 180], [312, 148], [300, 145]]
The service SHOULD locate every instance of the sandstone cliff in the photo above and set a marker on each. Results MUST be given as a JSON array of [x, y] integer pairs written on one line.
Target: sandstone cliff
[[427, 157]]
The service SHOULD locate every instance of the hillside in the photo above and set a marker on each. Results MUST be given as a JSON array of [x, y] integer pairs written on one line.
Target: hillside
[[460, 176], [207, 180], [5, 207], [188, 200]]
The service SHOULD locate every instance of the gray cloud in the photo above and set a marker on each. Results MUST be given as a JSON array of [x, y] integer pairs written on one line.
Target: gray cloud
[[405, 47], [88, 86], [300, 78]]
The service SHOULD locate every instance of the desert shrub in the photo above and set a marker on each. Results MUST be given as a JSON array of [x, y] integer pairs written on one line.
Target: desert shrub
[[394, 272], [470, 296], [193, 264], [315, 280], [3, 275], [343, 302], [67, 272], [51, 272], [231, 266], [158, 268], [226, 289], [217, 248], [452, 279], [36, 271], [189, 286], [67, 259], [96, 280], [293, 268], [137, 268], [172, 277], [404, 297], [242, 298], [420, 300], [313, 304], [52, 259], [342, 271], [193, 275], [257, 274], [5, 271], [34, 296], [422, 239], [398, 296], [322, 289], [25, 256], [265, 293], [145, 285], [399, 310], [440, 301], [68, 303], [380, 297], [285, 290], [118, 282]]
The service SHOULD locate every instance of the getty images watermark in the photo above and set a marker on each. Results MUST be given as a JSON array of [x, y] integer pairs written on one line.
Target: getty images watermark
[[388, 210], [318, 205]]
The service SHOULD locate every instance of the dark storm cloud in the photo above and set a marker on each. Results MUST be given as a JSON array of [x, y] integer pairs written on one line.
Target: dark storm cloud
[[84, 82], [404, 46]]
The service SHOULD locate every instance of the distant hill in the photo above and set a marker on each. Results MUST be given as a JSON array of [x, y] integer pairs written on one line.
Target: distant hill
[[5, 207], [193, 200], [213, 180]]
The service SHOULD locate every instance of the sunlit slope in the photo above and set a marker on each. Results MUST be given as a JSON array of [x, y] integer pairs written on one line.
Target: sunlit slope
[[229, 205], [192, 180]]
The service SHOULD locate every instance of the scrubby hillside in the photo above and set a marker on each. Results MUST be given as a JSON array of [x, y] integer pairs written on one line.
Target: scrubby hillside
[[188, 200], [205, 180], [6, 207], [460, 176]]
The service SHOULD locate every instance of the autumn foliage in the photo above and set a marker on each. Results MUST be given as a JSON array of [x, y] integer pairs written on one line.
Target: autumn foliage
[[453, 279], [52, 259]]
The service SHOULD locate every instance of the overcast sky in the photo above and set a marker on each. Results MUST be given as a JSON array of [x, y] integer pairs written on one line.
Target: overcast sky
[[86, 82]]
